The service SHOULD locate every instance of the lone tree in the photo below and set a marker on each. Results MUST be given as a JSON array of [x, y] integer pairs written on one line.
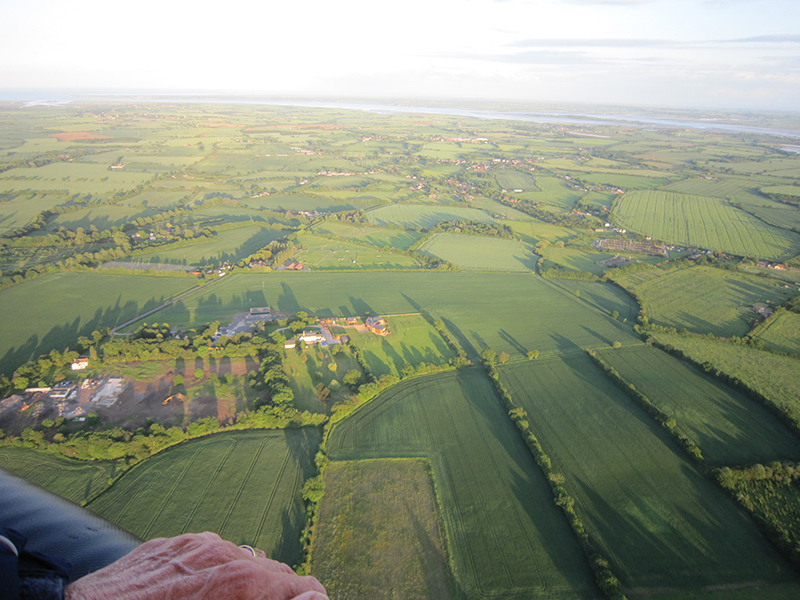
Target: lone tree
[[533, 355], [503, 358], [488, 355]]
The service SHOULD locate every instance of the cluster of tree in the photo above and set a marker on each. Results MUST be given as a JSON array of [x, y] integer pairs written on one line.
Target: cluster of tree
[[459, 361], [663, 419], [348, 216], [475, 228], [432, 262], [560, 272], [792, 199], [273, 254], [606, 580], [530, 207], [44, 370], [758, 489]]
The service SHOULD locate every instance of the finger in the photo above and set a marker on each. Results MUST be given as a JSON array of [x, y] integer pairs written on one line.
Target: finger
[[260, 553], [274, 566], [311, 596]]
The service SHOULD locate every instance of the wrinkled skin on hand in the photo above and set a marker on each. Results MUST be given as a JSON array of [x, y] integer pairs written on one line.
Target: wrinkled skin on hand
[[194, 567]]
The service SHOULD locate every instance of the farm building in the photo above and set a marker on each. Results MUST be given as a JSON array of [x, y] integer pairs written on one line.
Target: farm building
[[312, 337], [265, 310], [352, 320], [79, 364], [377, 325], [290, 344]]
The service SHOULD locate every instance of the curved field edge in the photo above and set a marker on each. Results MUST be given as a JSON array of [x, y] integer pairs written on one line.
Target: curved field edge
[[245, 486], [75, 480], [507, 535]]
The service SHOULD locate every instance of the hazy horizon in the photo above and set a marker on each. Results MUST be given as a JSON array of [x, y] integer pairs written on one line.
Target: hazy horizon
[[724, 54]]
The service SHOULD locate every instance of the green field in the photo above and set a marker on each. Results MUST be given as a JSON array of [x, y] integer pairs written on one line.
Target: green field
[[379, 534], [245, 486], [102, 217], [306, 375], [229, 245], [514, 180], [782, 334], [769, 374], [477, 253], [661, 522], [75, 480], [730, 428], [411, 341], [507, 538], [420, 215], [51, 312], [508, 312], [708, 300], [324, 253], [575, 259], [375, 236], [703, 222]]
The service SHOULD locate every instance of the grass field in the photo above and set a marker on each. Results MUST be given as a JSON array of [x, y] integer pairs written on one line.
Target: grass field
[[478, 253], [703, 222], [421, 215], [507, 538], [376, 236], [772, 375], [51, 312], [379, 533], [514, 180], [411, 341], [75, 480], [245, 486], [324, 253], [662, 523], [730, 428], [508, 312], [575, 259], [229, 245], [708, 300], [304, 377], [782, 334]]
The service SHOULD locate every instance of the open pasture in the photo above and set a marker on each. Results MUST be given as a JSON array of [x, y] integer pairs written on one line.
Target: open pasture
[[771, 375], [104, 216], [782, 334], [513, 180], [478, 253], [659, 520], [783, 216], [575, 259], [506, 536], [324, 253], [411, 341], [297, 201], [72, 178], [730, 428], [51, 312], [75, 480], [375, 236], [552, 191], [418, 215], [245, 486], [20, 209], [508, 312], [310, 367], [229, 245], [703, 222], [738, 190], [708, 300], [161, 200], [379, 533]]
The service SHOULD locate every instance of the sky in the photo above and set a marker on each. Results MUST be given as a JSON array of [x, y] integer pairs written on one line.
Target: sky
[[662, 53]]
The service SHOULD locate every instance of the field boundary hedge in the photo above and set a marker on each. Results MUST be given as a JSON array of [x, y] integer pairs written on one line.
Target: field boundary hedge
[[605, 578], [663, 419]]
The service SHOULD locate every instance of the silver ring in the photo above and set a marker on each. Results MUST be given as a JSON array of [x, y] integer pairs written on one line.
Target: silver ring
[[249, 548]]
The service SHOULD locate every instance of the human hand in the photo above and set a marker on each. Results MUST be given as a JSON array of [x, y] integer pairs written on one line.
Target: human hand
[[194, 567]]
